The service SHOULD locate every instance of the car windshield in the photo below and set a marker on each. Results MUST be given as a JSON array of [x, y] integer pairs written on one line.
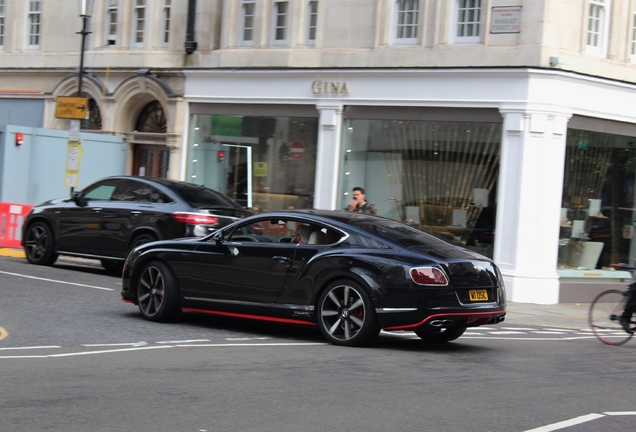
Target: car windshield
[[198, 196], [398, 232]]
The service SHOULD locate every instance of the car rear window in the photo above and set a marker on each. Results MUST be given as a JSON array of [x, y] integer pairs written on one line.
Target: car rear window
[[398, 232], [199, 196]]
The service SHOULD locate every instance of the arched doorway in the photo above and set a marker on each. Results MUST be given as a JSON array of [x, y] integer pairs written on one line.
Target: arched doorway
[[150, 159]]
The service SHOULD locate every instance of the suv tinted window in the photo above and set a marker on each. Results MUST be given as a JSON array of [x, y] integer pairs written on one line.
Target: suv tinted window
[[131, 190], [197, 196], [102, 191]]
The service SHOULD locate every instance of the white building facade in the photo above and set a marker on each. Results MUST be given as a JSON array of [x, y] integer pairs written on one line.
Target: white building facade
[[506, 127]]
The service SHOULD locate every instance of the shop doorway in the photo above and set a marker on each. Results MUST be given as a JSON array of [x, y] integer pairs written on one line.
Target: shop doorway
[[239, 173], [151, 160]]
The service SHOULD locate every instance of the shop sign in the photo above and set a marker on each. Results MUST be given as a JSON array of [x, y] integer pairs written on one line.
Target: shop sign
[[329, 87], [260, 169], [505, 19], [296, 150]]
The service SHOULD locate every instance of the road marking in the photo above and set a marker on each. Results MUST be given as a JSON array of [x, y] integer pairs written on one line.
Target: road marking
[[219, 345], [57, 281], [567, 423], [3, 333], [31, 347], [255, 344]]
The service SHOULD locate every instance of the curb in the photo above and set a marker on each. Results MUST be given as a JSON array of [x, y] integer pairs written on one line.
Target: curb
[[13, 253]]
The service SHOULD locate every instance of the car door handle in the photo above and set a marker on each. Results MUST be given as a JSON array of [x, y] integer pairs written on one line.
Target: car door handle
[[97, 209], [281, 259], [135, 212]]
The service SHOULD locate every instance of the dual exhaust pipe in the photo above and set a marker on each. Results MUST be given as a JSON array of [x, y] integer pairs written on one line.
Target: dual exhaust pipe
[[441, 322]]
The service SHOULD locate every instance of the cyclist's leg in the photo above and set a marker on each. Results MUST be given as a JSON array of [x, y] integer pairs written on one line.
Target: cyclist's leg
[[630, 308]]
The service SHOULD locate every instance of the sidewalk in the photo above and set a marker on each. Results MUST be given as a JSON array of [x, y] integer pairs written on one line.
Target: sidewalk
[[566, 315]]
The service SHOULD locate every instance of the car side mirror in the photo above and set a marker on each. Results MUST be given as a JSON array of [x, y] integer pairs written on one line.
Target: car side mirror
[[218, 237], [77, 199]]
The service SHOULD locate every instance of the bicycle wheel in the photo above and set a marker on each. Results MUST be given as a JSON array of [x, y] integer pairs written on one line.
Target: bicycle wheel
[[603, 317]]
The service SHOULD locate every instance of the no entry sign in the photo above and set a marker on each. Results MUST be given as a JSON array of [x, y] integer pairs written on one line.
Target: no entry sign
[[296, 150]]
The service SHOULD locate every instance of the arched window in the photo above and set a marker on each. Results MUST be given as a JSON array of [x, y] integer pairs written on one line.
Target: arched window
[[151, 119], [94, 120]]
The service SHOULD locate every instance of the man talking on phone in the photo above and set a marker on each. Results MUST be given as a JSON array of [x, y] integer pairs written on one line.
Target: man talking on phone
[[360, 204]]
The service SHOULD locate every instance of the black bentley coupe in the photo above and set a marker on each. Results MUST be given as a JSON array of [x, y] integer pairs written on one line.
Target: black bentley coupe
[[348, 273]]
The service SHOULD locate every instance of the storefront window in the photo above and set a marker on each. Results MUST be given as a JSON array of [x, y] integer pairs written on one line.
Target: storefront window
[[264, 163], [597, 214], [437, 176]]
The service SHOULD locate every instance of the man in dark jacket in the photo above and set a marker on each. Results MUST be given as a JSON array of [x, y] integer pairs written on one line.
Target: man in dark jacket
[[359, 203]]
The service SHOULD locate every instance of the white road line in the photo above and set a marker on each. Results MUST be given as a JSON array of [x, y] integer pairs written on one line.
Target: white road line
[[620, 413], [184, 341], [567, 423], [505, 332], [31, 347], [549, 332], [57, 281], [219, 345], [255, 344]]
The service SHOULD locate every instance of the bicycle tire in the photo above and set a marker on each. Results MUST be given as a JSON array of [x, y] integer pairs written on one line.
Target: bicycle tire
[[603, 317]]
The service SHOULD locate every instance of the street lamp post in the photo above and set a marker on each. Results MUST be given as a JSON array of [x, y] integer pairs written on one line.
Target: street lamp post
[[74, 150], [85, 7]]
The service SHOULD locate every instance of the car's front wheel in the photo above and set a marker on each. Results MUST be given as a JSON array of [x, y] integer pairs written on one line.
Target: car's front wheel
[[39, 244], [346, 315], [158, 292], [440, 335]]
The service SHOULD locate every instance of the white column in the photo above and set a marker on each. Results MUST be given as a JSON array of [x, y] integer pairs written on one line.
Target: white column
[[328, 157], [529, 203]]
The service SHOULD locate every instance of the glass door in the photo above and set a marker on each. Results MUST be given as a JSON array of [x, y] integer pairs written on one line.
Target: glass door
[[239, 173]]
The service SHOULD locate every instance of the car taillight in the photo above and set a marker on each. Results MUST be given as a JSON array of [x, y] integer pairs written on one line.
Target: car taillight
[[428, 276], [195, 218]]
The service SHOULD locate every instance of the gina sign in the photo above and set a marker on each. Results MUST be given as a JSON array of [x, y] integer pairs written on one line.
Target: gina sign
[[334, 88]]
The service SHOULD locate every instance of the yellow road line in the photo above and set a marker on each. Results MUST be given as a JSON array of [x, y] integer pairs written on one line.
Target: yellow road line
[[3, 333], [14, 253]]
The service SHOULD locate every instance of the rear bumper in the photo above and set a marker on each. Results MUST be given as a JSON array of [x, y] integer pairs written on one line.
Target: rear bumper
[[452, 319]]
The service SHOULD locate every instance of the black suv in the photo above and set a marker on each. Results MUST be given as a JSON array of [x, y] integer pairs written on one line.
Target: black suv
[[109, 218]]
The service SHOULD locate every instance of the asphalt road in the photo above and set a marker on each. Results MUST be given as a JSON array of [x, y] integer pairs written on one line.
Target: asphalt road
[[74, 358]]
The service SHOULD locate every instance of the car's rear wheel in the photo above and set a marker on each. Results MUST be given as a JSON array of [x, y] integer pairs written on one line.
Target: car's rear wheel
[[346, 315], [39, 244], [440, 335], [158, 292], [141, 239], [113, 267]]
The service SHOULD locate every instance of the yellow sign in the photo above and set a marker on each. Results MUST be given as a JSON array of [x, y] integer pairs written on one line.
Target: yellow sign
[[71, 107], [73, 159], [260, 169]]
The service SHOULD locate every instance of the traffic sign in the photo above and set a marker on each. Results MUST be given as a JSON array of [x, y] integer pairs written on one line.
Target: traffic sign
[[296, 150], [71, 107]]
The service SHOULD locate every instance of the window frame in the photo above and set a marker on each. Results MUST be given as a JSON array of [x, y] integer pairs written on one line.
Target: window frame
[[3, 17], [312, 22], [457, 6], [396, 13], [275, 23], [111, 12], [136, 20], [31, 14], [601, 34], [633, 35], [166, 17], [246, 5]]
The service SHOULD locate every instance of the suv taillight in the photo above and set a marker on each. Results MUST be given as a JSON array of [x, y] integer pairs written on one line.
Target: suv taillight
[[195, 218], [428, 276]]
